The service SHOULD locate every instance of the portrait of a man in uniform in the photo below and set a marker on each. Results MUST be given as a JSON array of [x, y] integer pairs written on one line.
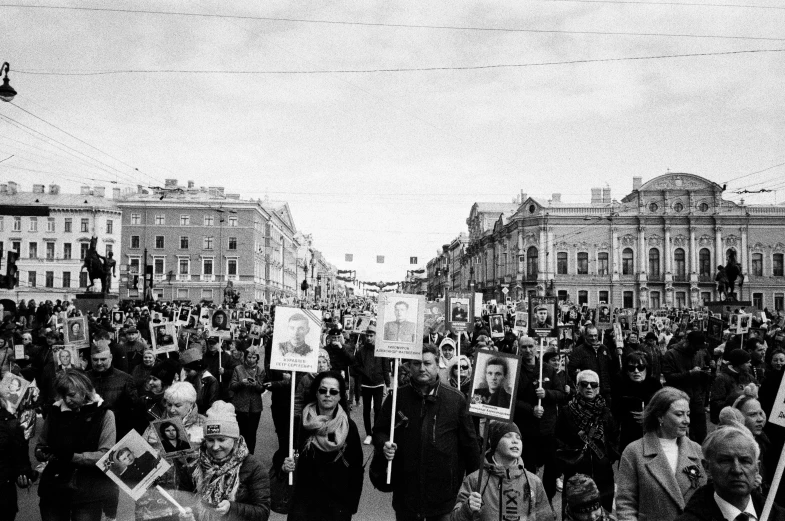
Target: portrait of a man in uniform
[[298, 328]]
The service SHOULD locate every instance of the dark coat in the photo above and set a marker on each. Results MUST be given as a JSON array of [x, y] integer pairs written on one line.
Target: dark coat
[[437, 446], [629, 397], [373, 370], [14, 461], [601, 362], [252, 500], [677, 363], [727, 386], [526, 400], [119, 393], [702, 507]]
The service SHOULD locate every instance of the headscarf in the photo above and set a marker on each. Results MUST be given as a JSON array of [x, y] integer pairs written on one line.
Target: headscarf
[[218, 480], [329, 434]]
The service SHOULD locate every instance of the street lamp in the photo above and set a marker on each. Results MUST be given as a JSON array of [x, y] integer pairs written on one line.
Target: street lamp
[[7, 92]]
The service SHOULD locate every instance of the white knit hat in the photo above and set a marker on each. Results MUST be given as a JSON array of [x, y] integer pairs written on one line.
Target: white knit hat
[[221, 421]]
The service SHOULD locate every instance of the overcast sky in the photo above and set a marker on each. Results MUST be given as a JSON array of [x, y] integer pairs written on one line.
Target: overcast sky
[[389, 163]]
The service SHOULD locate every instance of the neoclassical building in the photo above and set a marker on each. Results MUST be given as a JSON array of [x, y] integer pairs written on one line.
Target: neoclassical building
[[660, 245]]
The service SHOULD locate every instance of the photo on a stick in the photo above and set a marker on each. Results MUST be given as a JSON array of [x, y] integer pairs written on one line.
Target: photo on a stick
[[542, 316], [402, 320], [296, 335], [133, 465], [494, 385], [13, 388], [163, 337], [75, 331]]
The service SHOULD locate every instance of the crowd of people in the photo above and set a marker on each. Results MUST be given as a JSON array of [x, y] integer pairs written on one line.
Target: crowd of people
[[617, 425]]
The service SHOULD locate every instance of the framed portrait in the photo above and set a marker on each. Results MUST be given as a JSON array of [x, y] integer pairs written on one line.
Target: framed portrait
[[133, 465], [157, 318], [494, 385], [458, 311], [566, 332], [206, 316], [434, 317], [542, 316], [14, 387], [363, 322], [521, 321], [733, 323], [219, 321], [296, 336], [118, 318], [745, 321], [624, 320], [172, 438], [255, 331], [497, 326], [183, 315], [65, 357], [348, 322], [714, 329], [75, 331], [19, 351], [163, 337], [400, 323], [603, 316]]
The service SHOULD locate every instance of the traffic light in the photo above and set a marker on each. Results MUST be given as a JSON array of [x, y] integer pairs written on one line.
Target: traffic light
[[11, 271]]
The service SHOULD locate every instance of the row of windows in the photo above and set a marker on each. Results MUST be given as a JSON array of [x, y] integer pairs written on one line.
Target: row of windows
[[49, 247], [184, 267], [160, 242], [185, 220], [68, 225], [49, 279], [680, 299]]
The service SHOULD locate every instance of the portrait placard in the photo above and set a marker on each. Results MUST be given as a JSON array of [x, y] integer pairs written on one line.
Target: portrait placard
[[477, 305], [542, 316], [494, 384], [402, 320], [497, 326], [348, 322], [714, 329], [65, 357], [183, 314], [163, 337], [255, 331], [295, 344], [745, 320], [434, 318], [603, 316], [219, 321], [133, 465], [19, 351], [733, 323], [458, 311], [75, 331], [521, 321], [118, 317], [172, 438], [362, 323], [14, 388]]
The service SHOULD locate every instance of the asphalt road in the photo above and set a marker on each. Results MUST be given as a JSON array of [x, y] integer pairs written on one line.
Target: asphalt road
[[374, 505]]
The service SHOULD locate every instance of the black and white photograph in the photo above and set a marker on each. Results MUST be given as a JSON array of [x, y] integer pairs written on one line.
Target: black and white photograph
[[220, 320], [295, 345], [542, 316], [401, 324], [603, 317], [458, 311], [133, 464], [183, 314], [65, 357], [714, 329], [494, 384], [521, 321], [348, 322], [118, 318], [13, 388], [255, 331], [172, 437], [163, 337], [75, 331], [497, 326], [402, 320]]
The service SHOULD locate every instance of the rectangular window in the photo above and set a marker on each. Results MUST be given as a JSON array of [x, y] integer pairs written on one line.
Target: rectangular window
[[182, 293], [562, 295], [209, 220], [134, 241], [231, 267], [705, 297], [185, 220], [50, 224], [777, 265], [66, 279], [757, 264], [681, 299], [583, 263], [183, 242], [82, 279], [627, 262], [583, 297], [50, 250], [207, 267], [16, 246], [184, 267], [67, 251], [207, 294], [17, 224], [33, 250], [50, 279], [779, 302], [85, 225], [232, 243], [602, 263], [654, 299], [207, 243], [603, 296], [109, 226], [108, 250], [158, 266], [67, 225], [561, 263], [232, 221], [654, 264], [83, 247], [159, 242], [31, 279], [33, 224], [628, 298], [757, 300], [133, 266], [136, 218], [160, 220]]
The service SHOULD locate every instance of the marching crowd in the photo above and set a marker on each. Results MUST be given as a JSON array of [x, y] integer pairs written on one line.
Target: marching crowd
[[618, 426]]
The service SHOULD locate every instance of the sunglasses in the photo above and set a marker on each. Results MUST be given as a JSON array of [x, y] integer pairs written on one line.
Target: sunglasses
[[593, 385], [333, 392], [463, 368], [639, 367]]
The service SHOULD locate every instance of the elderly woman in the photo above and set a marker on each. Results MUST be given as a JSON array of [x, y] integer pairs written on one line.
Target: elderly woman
[[630, 396], [78, 431], [330, 464], [587, 432], [754, 418], [248, 385], [141, 373], [660, 472], [230, 484]]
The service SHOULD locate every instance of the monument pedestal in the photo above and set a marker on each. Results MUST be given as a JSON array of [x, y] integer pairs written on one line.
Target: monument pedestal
[[726, 307], [85, 302]]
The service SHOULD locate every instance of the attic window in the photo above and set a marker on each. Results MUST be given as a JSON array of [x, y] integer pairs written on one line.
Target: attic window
[[532, 208]]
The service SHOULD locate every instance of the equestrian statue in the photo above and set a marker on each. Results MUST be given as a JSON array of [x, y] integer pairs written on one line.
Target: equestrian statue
[[98, 267], [727, 276]]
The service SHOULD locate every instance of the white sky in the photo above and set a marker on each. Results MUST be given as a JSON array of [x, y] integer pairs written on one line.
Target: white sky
[[390, 163]]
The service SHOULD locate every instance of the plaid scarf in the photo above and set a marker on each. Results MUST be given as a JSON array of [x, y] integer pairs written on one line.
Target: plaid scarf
[[219, 480], [587, 415]]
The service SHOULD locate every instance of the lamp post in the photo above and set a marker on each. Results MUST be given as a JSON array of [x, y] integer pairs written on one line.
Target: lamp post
[[7, 92]]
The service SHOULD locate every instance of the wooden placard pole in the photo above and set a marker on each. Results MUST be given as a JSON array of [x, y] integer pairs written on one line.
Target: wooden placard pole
[[458, 360], [485, 432], [291, 428], [542, 348], [392, 415]]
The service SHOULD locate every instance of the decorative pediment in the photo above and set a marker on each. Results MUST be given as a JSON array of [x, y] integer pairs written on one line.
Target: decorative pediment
[[680, 182], [680, 240], [705, 240], [779, 247], [654, 240], [731, 241], [628, 240], [758, 246], [604, 246], [529, 239]]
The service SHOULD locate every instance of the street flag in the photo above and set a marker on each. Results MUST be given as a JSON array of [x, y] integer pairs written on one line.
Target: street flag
[[380, 259], [412, 260], [349, 257]]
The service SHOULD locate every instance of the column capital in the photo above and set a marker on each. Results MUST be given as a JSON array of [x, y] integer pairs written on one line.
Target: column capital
[[641, 229]]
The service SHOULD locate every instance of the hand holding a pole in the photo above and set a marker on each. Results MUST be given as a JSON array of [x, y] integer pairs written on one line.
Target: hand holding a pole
[[389, 450], [475, 501]]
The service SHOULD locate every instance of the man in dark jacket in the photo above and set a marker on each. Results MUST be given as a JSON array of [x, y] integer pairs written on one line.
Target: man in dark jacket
[[128, 354], [537, 422], [730, 382], [731, 462], [435, 443], [374, 375], [595, 356], [219, 364], [683, 368]]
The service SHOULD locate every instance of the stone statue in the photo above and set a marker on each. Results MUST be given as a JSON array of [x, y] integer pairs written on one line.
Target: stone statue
[[94, 264], [109, 271], [727, 276]]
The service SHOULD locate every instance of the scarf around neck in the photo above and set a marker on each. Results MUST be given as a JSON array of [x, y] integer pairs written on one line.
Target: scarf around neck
[[587, 415], [219, 480], [328, 434]]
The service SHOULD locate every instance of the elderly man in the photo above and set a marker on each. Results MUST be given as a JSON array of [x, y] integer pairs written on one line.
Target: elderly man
[[435, 443], [594, 355], [731, 463]]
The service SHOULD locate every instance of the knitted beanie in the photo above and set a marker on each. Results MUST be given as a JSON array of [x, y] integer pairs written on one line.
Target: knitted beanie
[[165, 371], [738, 357], [221, 421], [496, 432], [582, 494]]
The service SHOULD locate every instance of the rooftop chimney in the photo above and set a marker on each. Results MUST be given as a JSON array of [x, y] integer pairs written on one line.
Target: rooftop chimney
[[12, 186], [596, 195], [54, 189], [139, 189], [636, 183], [99, 191], [524, 196], [84, 190], [116, 193], [170, 183], [4, 188], [556, 198], [606, 195], [190, 185], [38, 189]]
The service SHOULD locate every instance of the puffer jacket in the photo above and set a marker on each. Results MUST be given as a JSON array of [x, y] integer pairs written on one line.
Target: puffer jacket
[[507, 493]]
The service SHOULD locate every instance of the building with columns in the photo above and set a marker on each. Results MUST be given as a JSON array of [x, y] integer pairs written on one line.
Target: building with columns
[[660, 245]]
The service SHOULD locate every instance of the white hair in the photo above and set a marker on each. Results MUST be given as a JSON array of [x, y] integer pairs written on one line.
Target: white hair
[[585, 374], [180, 392], [726, 433]]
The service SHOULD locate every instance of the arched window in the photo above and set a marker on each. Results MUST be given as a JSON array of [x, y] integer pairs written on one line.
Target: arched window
[[583, 263], [654, 264], [602, 263], [704, 263], [627, 262], [561, 263], [532, 257], [679, 267]]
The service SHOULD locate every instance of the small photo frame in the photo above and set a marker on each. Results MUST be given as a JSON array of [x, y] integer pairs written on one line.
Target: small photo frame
[[75, 331], [604, 317], [714, 329], [348, 322], [19, 352], [65, 357], [163, 337], [458, 311], [172, 438], [542, 316], [118, 319], [183, 314], [220, 320], [255, 331], [402, 320], [497, 326], [745, 322], [14, 387], [133, 465], [521, 321], [494, 384]]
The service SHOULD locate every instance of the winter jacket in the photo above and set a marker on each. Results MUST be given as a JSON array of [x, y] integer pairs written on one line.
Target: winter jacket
[[600, 361], [507, 493], [207, 390], [676, 366], [526, 400], [247, 398], [437, 445], [727, 386], [14, 461], [119, 393], [702, 507], [252, 500], [374, 370]]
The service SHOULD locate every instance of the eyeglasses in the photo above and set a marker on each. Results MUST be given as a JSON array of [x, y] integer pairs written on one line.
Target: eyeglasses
[[323, 391], [593, 385], [639, 367]]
